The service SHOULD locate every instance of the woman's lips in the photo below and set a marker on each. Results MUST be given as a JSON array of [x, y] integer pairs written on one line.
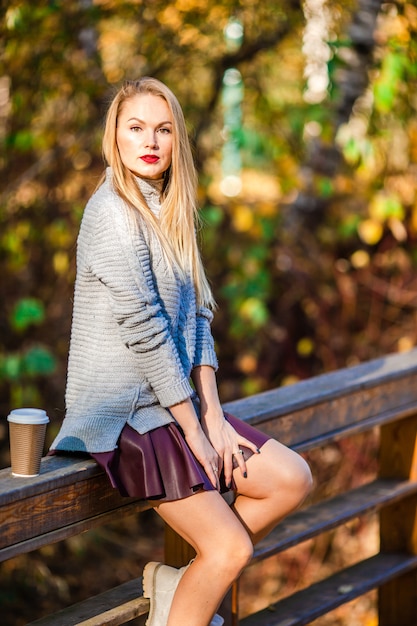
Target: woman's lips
[[150, 158]]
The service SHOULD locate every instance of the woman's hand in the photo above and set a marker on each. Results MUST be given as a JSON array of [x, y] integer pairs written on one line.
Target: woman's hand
[[227, 443], [221, 434], [185, 415], [205, 454]]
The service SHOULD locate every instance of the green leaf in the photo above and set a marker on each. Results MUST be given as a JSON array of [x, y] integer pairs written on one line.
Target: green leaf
[[10, 366], [351, 150], [23, 140], [384, 94], [254, 311], [326, 187], [348, 227], [38, 361], [27, 311], [212, 215], [386, 88]]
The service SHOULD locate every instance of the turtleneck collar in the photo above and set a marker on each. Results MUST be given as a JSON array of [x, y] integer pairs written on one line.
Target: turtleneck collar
[[151, 190]]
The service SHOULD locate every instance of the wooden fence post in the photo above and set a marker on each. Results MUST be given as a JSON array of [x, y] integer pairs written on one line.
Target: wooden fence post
[[397, 601], [177, 551]]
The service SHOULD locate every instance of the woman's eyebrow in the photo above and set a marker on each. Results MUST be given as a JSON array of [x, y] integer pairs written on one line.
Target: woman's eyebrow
[[136, 119]]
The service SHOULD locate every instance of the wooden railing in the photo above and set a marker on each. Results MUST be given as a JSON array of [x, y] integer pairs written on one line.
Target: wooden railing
[[71, 496]]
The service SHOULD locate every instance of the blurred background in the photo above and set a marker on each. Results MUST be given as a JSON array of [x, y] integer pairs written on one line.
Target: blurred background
[[303, 122]]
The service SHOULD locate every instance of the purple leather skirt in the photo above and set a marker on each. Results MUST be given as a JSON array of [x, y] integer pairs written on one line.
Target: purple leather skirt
[[159, 465]]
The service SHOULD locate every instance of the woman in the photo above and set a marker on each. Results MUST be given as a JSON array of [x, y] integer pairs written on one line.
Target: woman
[[140, 334]]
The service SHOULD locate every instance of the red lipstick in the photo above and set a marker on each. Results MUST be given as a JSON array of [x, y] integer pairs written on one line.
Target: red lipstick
[[150, 158]]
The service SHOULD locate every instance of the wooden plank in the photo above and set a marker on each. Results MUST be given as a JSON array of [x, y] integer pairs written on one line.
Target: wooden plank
[[68, 497], [397, 600], [325, 387], [67, 531], [398, 522], [336, 404], [60, 508], [328, 514], [110, 608], [330, 419], [320, 598], [37, 515], [56, 471]]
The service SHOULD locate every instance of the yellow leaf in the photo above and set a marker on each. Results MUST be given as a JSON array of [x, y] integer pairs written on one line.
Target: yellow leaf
[[60, 262], [247, 363], [360, 259], [405, 343], [305, 347], [398, 229], [242, 218], [289, 380], [370, 231], [377, 208]]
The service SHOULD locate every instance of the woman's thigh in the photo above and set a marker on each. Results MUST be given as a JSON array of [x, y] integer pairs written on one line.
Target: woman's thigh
[[277, 469]]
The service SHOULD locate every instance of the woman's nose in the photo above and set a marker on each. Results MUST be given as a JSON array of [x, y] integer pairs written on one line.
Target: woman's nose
[[151, 139]]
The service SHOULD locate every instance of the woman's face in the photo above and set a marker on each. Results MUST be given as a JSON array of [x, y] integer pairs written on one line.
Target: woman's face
[[144, 135]]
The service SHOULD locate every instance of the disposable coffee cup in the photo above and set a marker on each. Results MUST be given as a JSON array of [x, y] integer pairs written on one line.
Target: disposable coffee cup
[[27, 428]]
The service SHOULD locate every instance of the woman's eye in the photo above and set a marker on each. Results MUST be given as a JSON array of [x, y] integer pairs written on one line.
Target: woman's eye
[[165, 131], [135, 128]]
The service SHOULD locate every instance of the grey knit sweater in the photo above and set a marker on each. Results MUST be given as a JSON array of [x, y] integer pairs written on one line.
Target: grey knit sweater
[[136, 330]]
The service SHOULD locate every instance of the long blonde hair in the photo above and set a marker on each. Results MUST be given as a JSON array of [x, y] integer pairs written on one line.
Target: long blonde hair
[[176, 228]]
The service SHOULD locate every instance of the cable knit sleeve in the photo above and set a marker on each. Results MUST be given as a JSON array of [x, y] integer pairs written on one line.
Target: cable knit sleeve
[[205, 353], [119, 256]]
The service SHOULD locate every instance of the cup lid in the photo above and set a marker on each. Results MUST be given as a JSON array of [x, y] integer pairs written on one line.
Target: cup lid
[[28, 416]]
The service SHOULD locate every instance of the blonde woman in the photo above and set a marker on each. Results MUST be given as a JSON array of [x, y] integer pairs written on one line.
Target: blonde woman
[[141, 394]]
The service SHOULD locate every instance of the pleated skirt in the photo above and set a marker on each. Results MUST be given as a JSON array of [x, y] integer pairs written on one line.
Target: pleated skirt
[[159, 465]]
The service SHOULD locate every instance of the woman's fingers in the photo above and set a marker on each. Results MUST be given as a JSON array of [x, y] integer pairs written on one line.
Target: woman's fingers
[[228, 444], [228, 469], [248, 444], [213, 468], [206, 455], [240, 460], [239, 457]]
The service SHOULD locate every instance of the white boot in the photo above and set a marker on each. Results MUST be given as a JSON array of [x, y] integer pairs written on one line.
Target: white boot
[[159, 584]]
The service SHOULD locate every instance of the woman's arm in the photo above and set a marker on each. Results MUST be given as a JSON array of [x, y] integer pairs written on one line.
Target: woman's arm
[[184, 413], [223, 437], [204, 379], [117, 254]]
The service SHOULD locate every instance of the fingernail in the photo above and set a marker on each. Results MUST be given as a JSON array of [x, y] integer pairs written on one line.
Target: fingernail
[[245, 474], [229, 485]]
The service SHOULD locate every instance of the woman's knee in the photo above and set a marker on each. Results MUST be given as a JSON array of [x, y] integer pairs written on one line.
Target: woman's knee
[[302, 478], [298, 481], [292, 476], [234, 553]]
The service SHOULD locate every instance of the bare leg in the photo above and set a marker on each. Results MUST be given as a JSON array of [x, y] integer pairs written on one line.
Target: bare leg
[[278, 480], [223, 548]]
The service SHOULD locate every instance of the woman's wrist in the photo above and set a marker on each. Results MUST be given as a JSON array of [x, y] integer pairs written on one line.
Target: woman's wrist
[[192, 429], [212, 416], [204, 379], [184, 413]]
